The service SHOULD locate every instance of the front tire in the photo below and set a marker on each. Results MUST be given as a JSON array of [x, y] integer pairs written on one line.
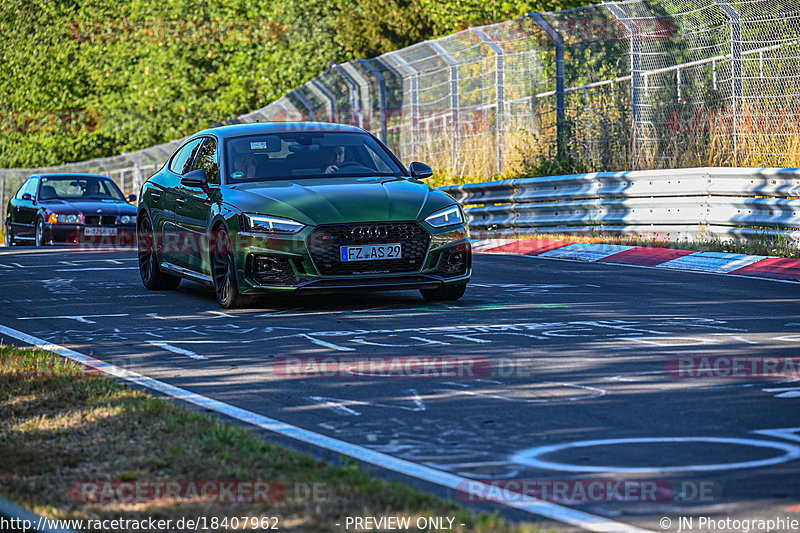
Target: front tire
[[152, 277], [444, 293], [39, 232], [223, 270]]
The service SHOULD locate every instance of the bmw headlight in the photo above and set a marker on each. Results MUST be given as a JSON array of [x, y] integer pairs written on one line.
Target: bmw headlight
[[272, 224], [63, 219], [125, 219], [446, 217]]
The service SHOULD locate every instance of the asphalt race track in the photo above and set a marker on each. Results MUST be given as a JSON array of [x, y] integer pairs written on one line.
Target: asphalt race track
[[560, 353]]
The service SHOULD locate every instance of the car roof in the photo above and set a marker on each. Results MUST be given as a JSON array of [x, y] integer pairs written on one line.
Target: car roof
[[255, 128], [68, 175]]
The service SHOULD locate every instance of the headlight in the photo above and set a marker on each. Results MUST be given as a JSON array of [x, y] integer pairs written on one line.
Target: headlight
[[124, 219], [63, 219], [445, 217], [272, 224]]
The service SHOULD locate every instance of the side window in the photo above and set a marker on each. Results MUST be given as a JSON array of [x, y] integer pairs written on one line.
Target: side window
[[182, 159], [23, 189], [207, 159], [30, 187]]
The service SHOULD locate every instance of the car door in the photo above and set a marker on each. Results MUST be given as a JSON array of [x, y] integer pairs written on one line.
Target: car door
[[26, 209], [173, 234], [194, 206]]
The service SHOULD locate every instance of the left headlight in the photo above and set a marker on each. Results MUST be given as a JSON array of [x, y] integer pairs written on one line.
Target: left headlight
[[63, 219], [125, 219], [272, 224], [446, 217]]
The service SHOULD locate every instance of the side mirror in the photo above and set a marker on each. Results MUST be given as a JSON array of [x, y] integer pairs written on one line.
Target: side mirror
[[196, 178], [131, 197], [27, 196], [420, 171]]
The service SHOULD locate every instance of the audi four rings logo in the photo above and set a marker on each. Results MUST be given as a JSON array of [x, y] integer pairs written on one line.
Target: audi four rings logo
[[369, 232]]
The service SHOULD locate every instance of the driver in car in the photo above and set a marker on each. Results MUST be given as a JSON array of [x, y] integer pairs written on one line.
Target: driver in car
[[246, 164], [334, 158]]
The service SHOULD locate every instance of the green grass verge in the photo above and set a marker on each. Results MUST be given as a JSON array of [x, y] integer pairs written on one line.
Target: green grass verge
[[59, 426]]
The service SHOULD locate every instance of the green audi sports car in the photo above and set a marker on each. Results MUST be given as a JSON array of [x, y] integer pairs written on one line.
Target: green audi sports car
[[265, 207]]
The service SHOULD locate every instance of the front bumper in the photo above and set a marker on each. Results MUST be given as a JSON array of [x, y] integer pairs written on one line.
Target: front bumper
[[283, 263], [75, 234]]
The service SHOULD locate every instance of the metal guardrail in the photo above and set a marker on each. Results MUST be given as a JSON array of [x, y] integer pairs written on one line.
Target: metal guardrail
[[690, 204]]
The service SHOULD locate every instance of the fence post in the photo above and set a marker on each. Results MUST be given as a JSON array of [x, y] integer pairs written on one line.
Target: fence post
[[414, 83], [561, 117], [355, 101], [454, 101], [382, 98], [736, 68], [316, 84], [307, 103], [3, 198], [636, 74], [500, 94]]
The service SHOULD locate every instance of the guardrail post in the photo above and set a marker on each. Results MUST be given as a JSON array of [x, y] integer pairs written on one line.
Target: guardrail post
[[736, 67], [454, 101], [355, 101], [636, 74], [382, 98], [317, 85], [307, 103], [561, 117], [500, 94]]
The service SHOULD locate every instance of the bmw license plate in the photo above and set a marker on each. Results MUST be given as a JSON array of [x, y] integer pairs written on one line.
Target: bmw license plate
[[370, 252], [100, 232]]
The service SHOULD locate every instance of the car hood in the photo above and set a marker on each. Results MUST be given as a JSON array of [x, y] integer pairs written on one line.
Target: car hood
[[89, 207], [337, 200]]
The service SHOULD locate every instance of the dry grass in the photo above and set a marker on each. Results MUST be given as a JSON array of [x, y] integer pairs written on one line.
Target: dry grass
[[59, 426]]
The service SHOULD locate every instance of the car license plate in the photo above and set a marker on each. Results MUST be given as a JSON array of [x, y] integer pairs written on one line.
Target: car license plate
[[100, 232], [370, 252]]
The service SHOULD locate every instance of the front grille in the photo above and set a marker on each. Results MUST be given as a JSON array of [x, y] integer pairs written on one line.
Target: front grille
[[96, 220], [324, 243]]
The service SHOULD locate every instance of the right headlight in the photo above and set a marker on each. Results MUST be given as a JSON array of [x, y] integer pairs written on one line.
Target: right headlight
[[448, 216], [272, 224]]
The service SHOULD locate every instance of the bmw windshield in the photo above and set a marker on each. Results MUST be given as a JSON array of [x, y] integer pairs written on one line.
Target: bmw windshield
[[78, 188], [295, 155]]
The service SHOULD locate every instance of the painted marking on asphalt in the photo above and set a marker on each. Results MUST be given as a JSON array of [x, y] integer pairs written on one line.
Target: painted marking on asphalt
[[531, 457], [175, 349], [550, 510], [326, 344], [80, 318], [340, 405], [337, 405], [785, 392], [792, 434], [594, 393]]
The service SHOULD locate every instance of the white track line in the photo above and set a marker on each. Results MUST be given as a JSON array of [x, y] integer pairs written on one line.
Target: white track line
[[175, 349], [584, 521]]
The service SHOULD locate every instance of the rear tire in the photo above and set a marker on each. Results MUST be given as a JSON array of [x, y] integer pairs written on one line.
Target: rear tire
[[223, 271], [9, 236], [152, 277], [444, 293]]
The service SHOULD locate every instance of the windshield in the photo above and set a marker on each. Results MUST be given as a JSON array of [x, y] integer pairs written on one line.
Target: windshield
[[307, 155], [78, 188]]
